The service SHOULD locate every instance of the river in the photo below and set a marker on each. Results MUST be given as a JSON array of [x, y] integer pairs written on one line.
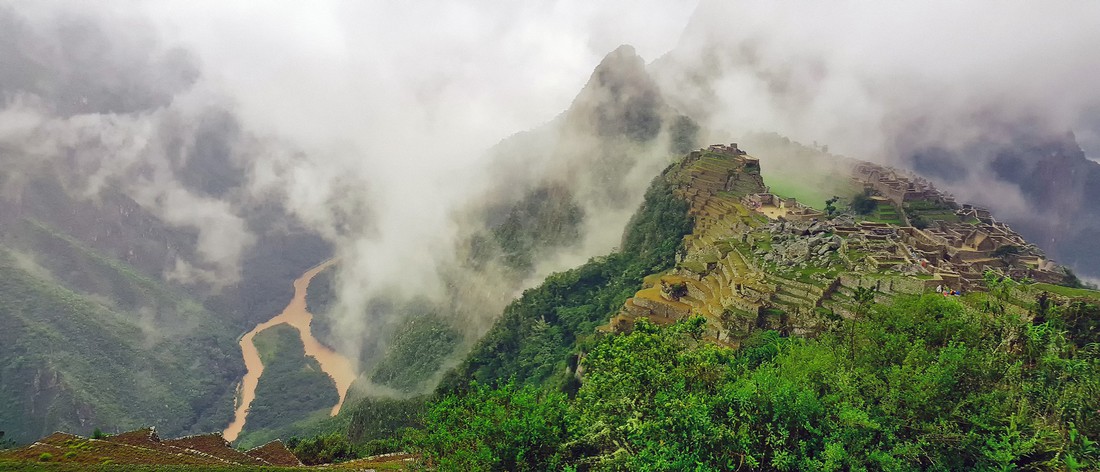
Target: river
[[295, 314]]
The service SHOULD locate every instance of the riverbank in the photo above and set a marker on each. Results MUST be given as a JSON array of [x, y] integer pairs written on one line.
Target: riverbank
[[340, 368]]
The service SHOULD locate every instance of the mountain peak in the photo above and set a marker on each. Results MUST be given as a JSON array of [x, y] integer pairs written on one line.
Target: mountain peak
[[620, 98]]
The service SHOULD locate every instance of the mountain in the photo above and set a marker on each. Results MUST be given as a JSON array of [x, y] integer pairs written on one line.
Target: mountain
[[556, 193], [1003, 154], [129, 268], [737, 325], [742, 327], [1052, 182]]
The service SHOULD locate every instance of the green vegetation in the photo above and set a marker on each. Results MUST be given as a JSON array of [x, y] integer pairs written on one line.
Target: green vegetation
[[322, 449], [105, 365], [925, 383], [322, 292], [830, 205], [812, 191], [793, 170], [505, 428], [536, 337], [922, 212], [293, 387], [1068, 291], [376, 423], [862, 203], [545, 218], [873, 209], [416, 351]]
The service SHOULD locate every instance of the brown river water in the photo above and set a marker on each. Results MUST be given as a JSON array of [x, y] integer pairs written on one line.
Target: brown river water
[[295, 314]]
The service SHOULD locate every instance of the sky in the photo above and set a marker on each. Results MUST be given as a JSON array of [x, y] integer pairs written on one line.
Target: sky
[[370, 120]]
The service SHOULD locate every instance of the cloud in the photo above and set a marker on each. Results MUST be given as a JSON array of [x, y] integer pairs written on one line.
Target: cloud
[[369, 121], [903, 83], [840, 72]]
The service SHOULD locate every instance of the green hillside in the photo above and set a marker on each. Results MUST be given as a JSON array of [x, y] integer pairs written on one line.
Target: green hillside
[[1002, 379], [293, 388], [71, 362]]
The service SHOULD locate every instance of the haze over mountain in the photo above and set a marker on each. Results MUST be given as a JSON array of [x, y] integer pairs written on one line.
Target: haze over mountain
[[451, 156]]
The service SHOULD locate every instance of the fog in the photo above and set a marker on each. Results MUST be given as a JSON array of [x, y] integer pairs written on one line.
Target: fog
[[954, 91], [371, 122]]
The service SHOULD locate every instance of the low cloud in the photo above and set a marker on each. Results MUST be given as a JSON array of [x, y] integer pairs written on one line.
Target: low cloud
[[370, 123]]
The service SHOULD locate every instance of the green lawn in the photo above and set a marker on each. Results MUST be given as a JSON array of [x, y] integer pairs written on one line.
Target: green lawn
[[811, 191]]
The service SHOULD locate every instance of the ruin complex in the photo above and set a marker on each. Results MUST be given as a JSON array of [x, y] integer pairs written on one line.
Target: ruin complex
[[756, 260]]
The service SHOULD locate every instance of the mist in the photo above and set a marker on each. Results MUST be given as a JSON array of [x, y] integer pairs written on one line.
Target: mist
[[389, 129], [978, 97]]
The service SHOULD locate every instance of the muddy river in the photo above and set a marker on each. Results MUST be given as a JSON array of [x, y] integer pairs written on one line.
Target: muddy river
[[295, 314]]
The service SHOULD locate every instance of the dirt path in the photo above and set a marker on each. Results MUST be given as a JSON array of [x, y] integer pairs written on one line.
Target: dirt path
[[295, 314]]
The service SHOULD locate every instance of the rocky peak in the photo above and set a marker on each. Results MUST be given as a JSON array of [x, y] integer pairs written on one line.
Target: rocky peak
[[620, 99]]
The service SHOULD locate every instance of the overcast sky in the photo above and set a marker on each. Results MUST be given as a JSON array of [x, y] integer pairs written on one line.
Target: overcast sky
[[381, 111]]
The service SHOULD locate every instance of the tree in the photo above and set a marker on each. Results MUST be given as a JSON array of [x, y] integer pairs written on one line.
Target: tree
[[864, 298], [862, 203], [1000, 289], [322, 449], [830, 205], [1008, 254], [509, 428]]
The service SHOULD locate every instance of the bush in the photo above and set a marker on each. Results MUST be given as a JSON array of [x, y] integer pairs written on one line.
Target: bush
[[506, 428], [322, 449], [925, 383], [45, 457], [863, 204]]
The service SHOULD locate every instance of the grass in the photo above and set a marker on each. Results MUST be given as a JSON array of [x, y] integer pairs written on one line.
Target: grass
[[811, 191], [885, 213], [1068, 291]]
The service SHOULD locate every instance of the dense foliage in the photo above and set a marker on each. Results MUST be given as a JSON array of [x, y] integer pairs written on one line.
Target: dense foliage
[[71, 361], [322, 449], [509, 427], [545, 218], [415, 352], [535, 338], [862, 203], [292, 388], [924, 384]]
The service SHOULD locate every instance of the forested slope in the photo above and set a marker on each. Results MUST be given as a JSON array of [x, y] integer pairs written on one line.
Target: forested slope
[[74, 362]]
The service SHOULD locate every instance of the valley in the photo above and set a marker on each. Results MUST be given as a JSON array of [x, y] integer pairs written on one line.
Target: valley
[[573, 237], [339, 368]]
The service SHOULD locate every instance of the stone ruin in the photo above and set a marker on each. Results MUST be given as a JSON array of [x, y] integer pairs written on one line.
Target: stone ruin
[[740, 266]]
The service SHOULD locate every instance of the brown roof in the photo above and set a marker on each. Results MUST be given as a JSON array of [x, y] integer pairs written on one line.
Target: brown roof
[[275, 453], [215, 445]]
